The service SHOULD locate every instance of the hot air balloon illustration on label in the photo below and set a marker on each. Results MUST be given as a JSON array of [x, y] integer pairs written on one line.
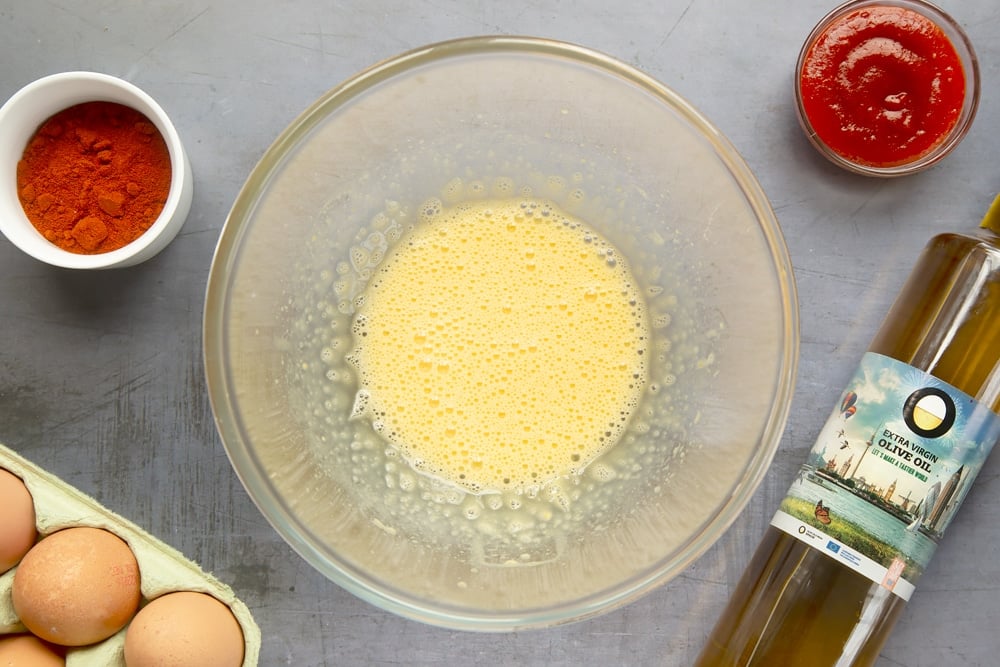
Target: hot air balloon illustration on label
[[847, 406]]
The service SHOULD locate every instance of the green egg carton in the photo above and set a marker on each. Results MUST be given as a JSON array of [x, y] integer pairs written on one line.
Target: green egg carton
[[162, 569]]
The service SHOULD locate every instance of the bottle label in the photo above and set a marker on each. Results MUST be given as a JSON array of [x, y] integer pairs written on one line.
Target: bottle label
[[888, 472]]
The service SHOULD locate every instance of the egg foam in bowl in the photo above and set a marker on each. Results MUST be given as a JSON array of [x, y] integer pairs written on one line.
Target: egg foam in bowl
[[501, 345]]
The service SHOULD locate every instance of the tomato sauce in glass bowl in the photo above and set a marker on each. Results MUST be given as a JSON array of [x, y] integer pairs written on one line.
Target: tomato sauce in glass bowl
[[886, 87]]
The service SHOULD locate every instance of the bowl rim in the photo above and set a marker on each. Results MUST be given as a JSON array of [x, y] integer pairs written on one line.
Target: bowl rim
[[48, 95], [958, 38], [247, 466]]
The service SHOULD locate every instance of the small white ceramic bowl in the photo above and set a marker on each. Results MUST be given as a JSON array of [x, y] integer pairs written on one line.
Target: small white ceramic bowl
[[31, 106]]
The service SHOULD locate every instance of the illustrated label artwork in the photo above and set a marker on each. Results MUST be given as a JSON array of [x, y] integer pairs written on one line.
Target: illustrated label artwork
[[888, 472]]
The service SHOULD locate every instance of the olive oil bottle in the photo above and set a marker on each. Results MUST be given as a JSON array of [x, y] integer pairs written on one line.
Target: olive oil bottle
[[828, 582]]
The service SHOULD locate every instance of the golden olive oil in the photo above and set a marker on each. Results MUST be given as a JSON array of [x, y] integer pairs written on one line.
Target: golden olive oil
[[798, 605]]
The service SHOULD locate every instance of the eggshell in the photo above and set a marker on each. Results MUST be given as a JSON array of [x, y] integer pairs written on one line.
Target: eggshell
[[28, 651], [77, 586], [17, 516], [184, 629]]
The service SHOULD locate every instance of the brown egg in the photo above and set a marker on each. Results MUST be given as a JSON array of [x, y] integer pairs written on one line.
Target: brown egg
[[28, 651], [184, 629], [77, 586], [17, 516]]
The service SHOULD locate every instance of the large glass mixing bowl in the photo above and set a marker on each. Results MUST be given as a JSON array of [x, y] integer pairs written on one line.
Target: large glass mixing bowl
[[481, 118]]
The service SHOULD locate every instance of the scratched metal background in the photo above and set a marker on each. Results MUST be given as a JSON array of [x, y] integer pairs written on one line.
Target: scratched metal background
[[101, 375]]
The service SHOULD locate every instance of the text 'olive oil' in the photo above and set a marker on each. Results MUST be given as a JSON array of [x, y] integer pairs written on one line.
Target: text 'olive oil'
[[887, 473]]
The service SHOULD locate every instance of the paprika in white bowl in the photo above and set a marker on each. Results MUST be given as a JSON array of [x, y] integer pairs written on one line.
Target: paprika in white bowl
[[93, 174]]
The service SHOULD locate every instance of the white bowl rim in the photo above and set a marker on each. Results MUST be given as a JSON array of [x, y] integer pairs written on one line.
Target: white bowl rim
[[50, 94]]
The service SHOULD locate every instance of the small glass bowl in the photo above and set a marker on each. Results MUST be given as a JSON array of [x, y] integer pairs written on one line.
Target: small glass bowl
[[963, 47], [31, 106]]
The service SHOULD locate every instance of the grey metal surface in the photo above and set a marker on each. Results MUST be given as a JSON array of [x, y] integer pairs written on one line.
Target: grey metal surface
[[101, 377]]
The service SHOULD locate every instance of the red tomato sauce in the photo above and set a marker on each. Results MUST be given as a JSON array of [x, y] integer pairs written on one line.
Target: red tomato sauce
[[882, 86]]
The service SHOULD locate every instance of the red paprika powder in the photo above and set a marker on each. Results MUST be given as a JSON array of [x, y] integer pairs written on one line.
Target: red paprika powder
[[94, 177]]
